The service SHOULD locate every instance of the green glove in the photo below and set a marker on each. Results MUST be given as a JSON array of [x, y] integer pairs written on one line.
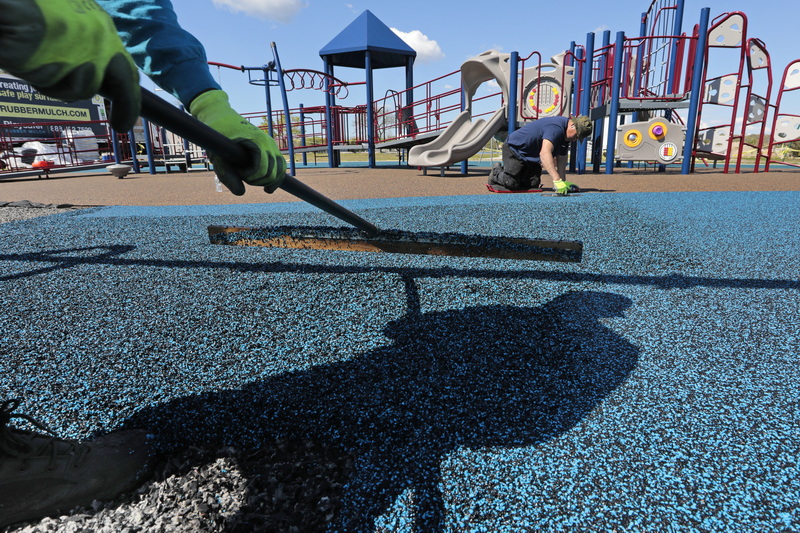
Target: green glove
[[71, 51], [267, 165], [564, 188]]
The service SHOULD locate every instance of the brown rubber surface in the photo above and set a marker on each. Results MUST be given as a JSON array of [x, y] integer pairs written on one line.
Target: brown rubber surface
[[198, 187]]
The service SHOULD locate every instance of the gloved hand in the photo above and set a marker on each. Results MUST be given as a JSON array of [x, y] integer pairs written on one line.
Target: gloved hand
[[267, 165], [564, 188], [71, 51]]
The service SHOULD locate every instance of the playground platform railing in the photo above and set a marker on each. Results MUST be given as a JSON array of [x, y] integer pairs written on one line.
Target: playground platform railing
[[394, 122], [431, 113]]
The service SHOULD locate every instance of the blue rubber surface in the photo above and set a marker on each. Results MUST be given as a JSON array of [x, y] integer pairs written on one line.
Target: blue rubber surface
[[652, 387]]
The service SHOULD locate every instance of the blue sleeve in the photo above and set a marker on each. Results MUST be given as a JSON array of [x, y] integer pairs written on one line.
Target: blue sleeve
[[556, 133], [173, 58]]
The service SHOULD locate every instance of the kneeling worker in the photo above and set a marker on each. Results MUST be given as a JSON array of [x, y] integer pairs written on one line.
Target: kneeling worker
[[541, 144]]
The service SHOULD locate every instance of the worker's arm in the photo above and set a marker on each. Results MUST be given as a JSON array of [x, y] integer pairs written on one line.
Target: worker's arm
[[548, 160], [169, 55], [176, 61], [561, 162]]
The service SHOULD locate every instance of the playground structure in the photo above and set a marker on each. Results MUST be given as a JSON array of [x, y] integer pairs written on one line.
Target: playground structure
[[660, 98], [635, 89], [655, 99]]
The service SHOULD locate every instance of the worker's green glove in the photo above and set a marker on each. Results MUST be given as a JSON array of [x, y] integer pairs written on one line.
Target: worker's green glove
[[564, 187], [71, 51], [267, 166]]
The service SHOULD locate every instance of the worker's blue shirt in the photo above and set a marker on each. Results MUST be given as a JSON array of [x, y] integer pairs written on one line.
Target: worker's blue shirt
[[526, 142], [166, 53]]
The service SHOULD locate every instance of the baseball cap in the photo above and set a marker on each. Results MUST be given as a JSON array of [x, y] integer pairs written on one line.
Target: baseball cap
[[583, 126]]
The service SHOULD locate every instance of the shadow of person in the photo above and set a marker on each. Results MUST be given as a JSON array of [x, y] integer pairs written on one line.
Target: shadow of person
[[483, 376]]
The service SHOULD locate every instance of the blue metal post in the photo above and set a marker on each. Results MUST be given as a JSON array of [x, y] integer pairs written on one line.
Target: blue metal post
[[148, 146], [616, 82], [134, 161], [268, 96], [513, 90], [573, 149], [694, 100], [186, 155], [370, 111], [286, 113], [463, 164], [265, 70], [115, 146], [303, 133], [409, 113], [410, 80], [571, 58], [329, 103], [597, 134], [586, 90], [410, 87]]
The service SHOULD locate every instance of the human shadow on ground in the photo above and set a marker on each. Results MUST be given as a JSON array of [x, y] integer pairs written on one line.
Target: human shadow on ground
[[498, 376]]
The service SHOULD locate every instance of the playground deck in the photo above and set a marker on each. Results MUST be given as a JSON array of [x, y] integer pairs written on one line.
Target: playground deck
[[198, 187]]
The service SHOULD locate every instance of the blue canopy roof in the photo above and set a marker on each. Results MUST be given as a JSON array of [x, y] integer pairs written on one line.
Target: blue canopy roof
[[367, 32]]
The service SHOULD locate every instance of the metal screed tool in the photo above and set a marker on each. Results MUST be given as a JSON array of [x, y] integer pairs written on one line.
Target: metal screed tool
[[366, 237]]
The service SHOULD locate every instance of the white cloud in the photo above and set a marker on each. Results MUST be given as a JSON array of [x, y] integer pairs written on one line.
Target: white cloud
[[277, 10], [427, 49]]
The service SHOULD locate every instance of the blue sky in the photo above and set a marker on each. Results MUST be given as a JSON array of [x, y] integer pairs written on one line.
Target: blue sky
[[445, 34]]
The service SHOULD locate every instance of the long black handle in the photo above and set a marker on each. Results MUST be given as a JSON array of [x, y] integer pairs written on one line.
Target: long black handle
[[164, 114]]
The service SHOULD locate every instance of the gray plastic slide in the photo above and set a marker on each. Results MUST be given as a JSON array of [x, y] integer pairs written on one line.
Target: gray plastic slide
[[463, 137]]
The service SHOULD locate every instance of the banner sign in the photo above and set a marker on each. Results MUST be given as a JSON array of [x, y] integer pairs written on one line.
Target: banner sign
[[22, 105]]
